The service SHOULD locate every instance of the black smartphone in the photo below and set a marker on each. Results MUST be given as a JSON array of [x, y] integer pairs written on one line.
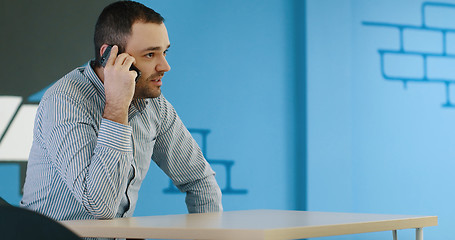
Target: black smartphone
[[105, 56]]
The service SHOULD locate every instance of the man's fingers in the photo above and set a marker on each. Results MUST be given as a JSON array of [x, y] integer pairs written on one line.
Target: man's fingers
[[124, 60], [113, 55], [129, 60], [118, 65]]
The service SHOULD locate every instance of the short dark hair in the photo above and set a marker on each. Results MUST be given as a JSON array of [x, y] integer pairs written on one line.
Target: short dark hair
[[115, 22]]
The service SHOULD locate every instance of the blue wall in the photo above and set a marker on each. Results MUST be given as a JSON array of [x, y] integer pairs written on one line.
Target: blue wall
[[380, 126]]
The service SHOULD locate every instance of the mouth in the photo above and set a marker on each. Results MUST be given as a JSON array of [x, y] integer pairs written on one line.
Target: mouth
[[157, 81]]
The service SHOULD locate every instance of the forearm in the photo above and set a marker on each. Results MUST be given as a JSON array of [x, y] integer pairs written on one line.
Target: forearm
[[107, 177]]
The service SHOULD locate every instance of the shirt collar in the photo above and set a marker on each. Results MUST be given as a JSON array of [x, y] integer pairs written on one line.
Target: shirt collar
[[137, 105]]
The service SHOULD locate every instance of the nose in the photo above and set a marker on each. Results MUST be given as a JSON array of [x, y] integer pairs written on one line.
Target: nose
[[163, 65]]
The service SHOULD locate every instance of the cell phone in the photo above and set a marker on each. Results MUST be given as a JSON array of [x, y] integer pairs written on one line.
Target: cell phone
[[106, 55]]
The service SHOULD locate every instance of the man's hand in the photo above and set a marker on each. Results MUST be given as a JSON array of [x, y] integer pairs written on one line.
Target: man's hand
[[119, 86]]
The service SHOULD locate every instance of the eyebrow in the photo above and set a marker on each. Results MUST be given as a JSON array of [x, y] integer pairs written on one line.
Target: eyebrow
[[156, 48]]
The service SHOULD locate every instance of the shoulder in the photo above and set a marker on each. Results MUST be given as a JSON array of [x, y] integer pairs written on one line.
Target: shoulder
[[73, 86]]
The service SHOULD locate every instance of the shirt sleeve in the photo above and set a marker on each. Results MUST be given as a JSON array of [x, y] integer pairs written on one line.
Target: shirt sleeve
[[93, 162], [179, 156]]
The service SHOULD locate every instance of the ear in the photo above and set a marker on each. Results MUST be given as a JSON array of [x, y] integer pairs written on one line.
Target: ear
[[103, 48]]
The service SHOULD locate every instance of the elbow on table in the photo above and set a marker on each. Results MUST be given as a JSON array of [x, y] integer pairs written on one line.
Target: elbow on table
[[101, 210], [103, 214]]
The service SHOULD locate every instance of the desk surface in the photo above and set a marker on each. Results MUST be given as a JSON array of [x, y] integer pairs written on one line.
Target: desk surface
[[251, 224]]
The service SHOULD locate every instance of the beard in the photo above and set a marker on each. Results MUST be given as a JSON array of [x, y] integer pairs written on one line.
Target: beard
[[145, 87]]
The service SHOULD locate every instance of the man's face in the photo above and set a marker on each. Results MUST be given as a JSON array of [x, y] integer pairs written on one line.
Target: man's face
[[148, 44]]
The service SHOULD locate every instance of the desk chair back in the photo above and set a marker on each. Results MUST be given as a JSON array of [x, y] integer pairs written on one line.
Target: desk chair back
[[22, 224]]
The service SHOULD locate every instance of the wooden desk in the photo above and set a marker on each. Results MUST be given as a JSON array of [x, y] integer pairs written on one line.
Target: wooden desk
[[252, 224]]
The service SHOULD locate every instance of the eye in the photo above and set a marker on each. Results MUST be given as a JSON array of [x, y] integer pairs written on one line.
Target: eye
[[165, 52], [150, 55]]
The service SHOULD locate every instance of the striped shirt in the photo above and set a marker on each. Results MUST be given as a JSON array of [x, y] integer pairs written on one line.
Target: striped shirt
[[82, 166]]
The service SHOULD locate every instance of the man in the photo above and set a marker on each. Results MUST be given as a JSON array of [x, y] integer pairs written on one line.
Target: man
[[96, 129]]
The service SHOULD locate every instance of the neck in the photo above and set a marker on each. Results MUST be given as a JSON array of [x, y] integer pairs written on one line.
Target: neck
[[99, 72]]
